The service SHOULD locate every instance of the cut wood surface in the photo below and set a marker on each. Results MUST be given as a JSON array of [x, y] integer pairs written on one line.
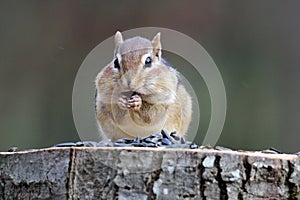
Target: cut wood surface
[[147, 173]]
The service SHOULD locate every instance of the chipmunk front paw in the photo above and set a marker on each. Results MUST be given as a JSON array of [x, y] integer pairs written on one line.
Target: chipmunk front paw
[[134, 102], [123, 103]]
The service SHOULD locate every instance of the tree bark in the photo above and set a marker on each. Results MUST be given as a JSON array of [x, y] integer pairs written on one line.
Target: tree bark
[[147, 173]]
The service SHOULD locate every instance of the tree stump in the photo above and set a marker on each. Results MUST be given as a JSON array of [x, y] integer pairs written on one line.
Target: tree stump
[[147, 173]]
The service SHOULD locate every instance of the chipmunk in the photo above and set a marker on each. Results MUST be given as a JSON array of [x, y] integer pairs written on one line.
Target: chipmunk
[[139, 93]]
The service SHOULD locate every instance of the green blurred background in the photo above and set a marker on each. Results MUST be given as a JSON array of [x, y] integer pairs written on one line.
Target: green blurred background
[[255, 45]]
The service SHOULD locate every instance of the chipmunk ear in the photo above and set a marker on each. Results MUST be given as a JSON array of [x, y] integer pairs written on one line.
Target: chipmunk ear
[[156, 45], [118, 39]]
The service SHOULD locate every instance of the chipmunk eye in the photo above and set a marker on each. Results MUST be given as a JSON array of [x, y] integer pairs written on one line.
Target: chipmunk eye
[[116, 64], [148, 62]]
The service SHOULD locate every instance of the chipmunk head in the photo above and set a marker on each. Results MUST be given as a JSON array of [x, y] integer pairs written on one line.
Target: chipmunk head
[[138, 61]]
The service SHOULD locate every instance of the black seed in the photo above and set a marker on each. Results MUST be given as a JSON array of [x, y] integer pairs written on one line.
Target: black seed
[[155, 135], [12, 149], [159, 143], [182, 140], [275, 150], [165, 141], [137, 144], [137, 140], [66, 144], [164, 134], [122, 145], [193, 146], [121, 140], [149, 144], [80, 144], [124, 141], [150, 140], [175, 136]]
